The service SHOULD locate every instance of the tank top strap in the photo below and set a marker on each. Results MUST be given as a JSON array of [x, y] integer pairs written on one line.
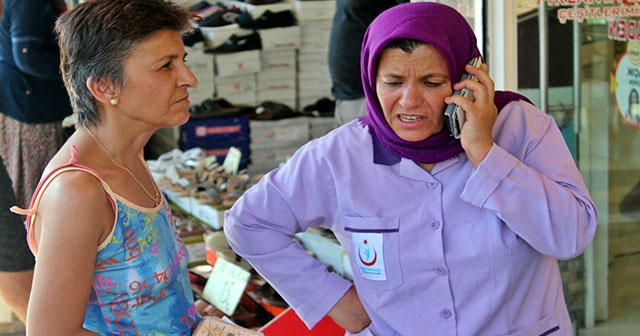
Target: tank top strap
[[31, 212]]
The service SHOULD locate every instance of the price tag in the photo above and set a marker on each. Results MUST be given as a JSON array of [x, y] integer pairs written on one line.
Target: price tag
[[231, 162], [225, 285]]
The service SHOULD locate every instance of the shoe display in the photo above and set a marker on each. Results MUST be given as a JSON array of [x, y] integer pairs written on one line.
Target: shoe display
[[191, 38], [237, 43], [269, 19], [222, 17]]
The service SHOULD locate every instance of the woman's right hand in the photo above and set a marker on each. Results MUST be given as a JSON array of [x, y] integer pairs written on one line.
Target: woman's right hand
[[349, 313]]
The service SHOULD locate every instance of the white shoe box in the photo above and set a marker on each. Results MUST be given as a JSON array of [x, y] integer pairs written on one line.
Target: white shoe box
[[270, 154], [235, 84], [200, 63], [283, 96], [314, 10], [277, 58], [280, 38], [320, 126], [242, 98], [237, 63], [315, 30], [276, 78], [278, 133], [202, 91]]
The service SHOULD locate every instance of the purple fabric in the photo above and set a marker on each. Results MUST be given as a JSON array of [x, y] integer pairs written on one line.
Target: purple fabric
[[442, 27]]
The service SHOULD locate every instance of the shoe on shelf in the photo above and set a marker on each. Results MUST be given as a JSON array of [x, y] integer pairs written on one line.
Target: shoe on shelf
[[237, 43], [221, 17], [323, 107], [191, 38], [269, 19], [271, 110]]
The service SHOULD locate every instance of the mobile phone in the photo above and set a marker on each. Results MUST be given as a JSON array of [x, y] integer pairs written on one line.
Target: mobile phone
[[454, 113]]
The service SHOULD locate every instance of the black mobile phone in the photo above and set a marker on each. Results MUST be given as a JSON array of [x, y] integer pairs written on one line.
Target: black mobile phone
[[454, 113]]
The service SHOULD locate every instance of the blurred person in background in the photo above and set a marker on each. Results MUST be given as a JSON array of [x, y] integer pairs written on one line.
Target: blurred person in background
[[33, 103], [350, 21]]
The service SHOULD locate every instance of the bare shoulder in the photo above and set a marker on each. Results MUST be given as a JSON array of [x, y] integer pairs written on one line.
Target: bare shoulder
[[75, 202]]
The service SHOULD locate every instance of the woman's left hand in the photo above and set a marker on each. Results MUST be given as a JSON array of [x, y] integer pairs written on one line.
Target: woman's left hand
[[480, 113]]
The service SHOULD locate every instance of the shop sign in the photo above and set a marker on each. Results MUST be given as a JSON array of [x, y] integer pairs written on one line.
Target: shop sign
[[619, 13]]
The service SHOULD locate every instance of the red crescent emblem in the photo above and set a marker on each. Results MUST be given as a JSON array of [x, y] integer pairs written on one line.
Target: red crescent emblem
[[368, 264]]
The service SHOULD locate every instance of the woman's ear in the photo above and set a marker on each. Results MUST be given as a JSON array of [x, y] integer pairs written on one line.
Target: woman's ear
[[102, 90]]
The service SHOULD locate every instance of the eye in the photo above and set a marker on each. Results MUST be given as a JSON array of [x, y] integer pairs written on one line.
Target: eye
[[432, 84], [391, 84]]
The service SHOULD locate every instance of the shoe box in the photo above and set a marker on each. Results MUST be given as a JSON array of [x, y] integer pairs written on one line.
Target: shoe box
[[216, 135], [237, 63], [288, 129], [276, 80], [202, 66], [314, 10], [275, 141], [280, 38], [237, 89], [320, 126]]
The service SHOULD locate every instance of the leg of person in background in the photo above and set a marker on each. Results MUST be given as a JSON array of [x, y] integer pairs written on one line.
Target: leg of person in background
[[16, 260], [347, 110]]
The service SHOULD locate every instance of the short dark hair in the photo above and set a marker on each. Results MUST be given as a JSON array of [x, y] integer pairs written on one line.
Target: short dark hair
[[97, 36]]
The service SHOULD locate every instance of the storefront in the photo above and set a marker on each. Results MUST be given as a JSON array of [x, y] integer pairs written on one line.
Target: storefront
[[580, 62]]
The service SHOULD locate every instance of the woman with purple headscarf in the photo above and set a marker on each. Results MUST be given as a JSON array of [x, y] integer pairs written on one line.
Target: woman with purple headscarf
[[444, 236]]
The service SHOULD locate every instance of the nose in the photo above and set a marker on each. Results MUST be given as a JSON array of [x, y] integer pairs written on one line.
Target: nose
[[187, 77], [411, 96]]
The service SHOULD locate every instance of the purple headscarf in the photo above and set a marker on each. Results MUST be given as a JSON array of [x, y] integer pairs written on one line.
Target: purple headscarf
[[440, 26]]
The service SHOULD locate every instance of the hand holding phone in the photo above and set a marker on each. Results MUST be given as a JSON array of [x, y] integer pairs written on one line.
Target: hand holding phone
[[454, 113]]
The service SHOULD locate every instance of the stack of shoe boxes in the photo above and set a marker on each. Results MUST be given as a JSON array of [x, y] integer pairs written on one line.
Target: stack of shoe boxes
[[276, 80], [315, 19], [274, 141], [201, 64]]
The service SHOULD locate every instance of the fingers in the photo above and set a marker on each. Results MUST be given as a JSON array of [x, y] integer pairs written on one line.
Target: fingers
[[205, 309]]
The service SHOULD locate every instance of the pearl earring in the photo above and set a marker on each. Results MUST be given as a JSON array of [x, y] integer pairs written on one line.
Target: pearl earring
[[113, 101]]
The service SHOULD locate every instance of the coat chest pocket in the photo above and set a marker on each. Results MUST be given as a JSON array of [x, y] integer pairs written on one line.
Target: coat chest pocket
[[372, 244]]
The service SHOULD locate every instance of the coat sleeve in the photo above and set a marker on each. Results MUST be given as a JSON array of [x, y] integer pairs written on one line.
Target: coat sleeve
[[530, 180], [261, 227]]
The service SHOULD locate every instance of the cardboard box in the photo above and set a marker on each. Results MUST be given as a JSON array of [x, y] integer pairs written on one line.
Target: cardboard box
[[278, 58], [280, 38], [277, 78], [314, 10], [206, 132], [242, 98], [200, 63], [283, 95], [268, 155], [202, 91], [321, 126], [235, 84], [237, 63], [274, 134]]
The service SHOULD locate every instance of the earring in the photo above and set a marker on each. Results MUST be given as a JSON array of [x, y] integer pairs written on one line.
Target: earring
[[113, 101]]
